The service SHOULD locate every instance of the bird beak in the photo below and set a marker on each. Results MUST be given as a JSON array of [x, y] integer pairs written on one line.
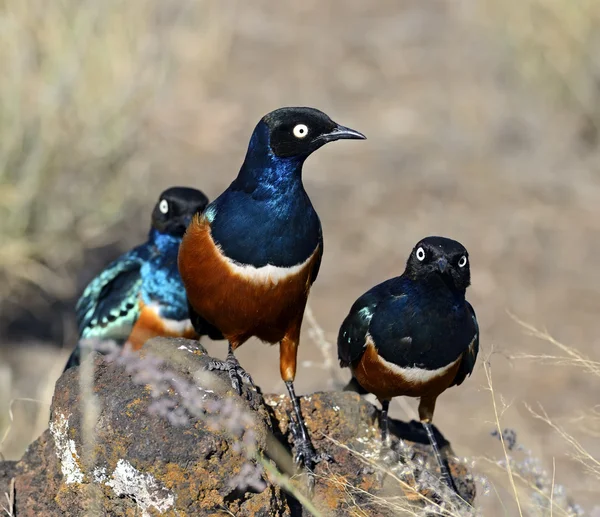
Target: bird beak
[[442, 264], [342, 133]]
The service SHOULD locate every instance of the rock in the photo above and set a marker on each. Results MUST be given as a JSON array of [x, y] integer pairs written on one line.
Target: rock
[[166, 438]]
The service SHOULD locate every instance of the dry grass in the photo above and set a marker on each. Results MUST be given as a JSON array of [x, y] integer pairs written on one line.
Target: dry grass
[[589, 419], [82, 82], [9, 507], [499, 429]]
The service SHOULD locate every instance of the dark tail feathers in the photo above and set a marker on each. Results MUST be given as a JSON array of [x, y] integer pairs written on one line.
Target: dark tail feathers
[[354, 386]]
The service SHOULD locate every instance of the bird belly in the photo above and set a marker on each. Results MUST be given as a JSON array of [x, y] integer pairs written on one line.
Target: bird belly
[[151, 324], [387, 380], [241, 300]]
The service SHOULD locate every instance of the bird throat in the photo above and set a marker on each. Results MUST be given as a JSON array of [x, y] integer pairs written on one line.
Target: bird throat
[[265, 173]]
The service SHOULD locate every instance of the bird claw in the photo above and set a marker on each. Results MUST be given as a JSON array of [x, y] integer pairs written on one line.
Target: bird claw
[[305, 454], [388, 458], [237, 374]]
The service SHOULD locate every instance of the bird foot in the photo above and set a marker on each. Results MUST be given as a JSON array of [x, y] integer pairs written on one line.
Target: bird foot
[[237, 374], [305, 454], [448, 480], [388, 457]]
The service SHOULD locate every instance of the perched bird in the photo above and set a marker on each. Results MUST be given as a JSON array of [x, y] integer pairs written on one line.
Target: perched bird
[[249, 260], [414, 335], [140, 295]]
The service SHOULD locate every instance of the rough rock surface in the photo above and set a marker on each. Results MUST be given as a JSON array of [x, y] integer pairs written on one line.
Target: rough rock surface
[[125, 460]]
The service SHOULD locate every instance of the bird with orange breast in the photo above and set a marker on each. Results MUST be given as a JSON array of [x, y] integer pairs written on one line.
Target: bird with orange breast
[[248, 262]]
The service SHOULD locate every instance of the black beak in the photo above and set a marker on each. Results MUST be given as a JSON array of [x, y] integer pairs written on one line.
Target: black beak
[[442, 264], [341, 133]]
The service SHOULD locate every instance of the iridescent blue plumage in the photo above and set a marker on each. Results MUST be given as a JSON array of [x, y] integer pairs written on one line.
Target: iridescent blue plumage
[[408, 322], [420, 319], [147, 275], [265, 216], [161, 283]]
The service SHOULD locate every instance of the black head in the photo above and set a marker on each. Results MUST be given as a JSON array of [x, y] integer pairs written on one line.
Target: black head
[[301, 131], [175, 208], [442, 257]]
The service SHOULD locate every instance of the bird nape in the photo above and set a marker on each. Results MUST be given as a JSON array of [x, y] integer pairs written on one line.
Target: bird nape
[[414, 335], [249, 261], [140, 294]]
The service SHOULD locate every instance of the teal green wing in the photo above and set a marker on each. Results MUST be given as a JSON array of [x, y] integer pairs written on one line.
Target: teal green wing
[[109, 306]]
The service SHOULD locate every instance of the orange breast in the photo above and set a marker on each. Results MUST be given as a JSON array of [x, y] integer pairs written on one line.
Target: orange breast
[[240, 302], [150, 325], [384, 381]]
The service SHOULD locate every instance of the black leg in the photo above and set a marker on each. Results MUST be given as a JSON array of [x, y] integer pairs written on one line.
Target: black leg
[[383, 423], [388, 456], [305, 452], [236, 373], [438, 456]]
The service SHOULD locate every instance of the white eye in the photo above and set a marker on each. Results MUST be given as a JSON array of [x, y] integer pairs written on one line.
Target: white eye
[[163, 206], [300, 131], [463, 261], [421, 254]]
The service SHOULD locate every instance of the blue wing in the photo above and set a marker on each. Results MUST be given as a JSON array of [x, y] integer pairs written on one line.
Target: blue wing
[[468, 362], [353, 332], [319, 258]]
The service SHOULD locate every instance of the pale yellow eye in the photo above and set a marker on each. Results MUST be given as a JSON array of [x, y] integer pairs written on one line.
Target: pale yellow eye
[[421, 254], [300, 131], [163, 206], [463, 261]]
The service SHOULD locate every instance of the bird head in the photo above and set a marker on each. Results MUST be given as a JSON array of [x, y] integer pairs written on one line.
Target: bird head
[[175, 208], [298, 132], [443, 258]]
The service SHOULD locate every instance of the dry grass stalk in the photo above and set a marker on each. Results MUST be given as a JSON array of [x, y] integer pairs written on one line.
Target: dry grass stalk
[[9, 509], [488, 375]]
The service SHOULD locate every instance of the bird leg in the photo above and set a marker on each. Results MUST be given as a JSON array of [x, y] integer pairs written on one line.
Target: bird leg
[[438, 456], [388, 456], [383, 423], [236, 373], [426, 407], [306, 454]]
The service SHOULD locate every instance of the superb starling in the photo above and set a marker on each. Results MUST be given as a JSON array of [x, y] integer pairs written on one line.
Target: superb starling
[[249, 260], [415, 334], [140, 295]]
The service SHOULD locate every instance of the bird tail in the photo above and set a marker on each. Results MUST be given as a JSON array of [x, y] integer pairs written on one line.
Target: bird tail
[[354, 386], [74, 359]]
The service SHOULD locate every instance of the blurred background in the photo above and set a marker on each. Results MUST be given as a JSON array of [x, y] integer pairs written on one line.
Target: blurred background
[[482, 119]]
